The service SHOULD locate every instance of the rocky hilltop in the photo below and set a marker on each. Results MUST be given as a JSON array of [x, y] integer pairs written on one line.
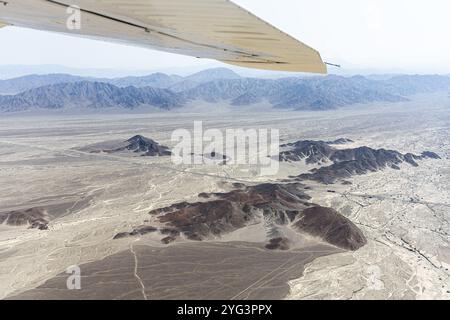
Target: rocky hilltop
[[146, 146], [332, 227], [137, 144], [336, 164], [35, 218], [274, 205]]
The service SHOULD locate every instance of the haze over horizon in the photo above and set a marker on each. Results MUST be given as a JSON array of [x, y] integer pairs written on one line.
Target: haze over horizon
[[364, 36]]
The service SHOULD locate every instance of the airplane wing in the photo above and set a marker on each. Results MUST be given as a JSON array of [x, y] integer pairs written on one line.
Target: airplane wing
[[214, 29]]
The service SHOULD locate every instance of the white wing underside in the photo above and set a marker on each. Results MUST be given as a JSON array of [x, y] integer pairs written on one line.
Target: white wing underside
[[214, 29]]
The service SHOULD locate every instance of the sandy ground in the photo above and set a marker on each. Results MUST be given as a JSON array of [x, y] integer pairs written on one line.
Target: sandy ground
[[404, 214], [194, 271]]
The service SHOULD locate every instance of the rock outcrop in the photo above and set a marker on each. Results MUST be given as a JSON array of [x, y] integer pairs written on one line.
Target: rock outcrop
[[35, 218], [139, 231], [137, 144], [337, 164], [329, 225], [274, 205]]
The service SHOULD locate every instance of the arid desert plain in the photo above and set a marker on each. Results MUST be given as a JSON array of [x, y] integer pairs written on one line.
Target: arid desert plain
[[97, 206]]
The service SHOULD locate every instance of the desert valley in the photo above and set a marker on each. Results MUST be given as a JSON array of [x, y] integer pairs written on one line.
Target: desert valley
[[359, 208]]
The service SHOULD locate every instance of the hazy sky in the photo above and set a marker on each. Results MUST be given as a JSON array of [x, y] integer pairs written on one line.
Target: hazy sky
[[409, 35]]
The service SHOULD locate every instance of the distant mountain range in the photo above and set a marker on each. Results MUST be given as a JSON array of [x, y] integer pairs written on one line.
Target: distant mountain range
[[155, 80], [59, 91], [90, 95]]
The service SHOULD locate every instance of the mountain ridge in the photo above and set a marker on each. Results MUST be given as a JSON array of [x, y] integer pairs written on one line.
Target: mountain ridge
[[87, 94], [211, 86]]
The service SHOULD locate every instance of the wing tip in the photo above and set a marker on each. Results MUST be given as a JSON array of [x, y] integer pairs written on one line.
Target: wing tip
[[317, 67]]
